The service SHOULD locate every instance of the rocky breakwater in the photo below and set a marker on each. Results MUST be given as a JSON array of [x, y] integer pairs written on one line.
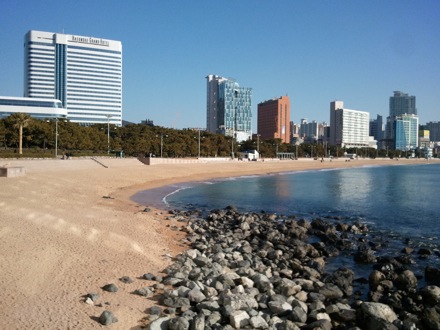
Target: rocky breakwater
[[259, 271], [264, 271]]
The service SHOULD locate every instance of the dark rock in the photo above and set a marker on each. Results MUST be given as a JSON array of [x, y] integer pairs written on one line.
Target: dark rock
[[280, 308], [178, 323], [323, 226], [330, 291], [126, 279], [376, 316], [424, 251], [148, 277], [364, 255], [176, 302], [406, 280], [107, 318], [144, 292], [317, 325], [431, 294], [93, 296], [155, 310], [432, 275], [343, 278], [298, 315], [431, 318], [110, 288]]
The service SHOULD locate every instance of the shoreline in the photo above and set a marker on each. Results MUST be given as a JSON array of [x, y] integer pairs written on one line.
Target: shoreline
[[173, 186], [68, 227]]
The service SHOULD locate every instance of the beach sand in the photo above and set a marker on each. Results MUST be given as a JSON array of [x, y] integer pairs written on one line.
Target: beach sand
[[68, 227]]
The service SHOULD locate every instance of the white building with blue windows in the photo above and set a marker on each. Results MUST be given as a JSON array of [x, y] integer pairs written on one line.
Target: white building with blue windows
[[349, 128], [228, 108], [406, 132], [43, 109], [84, 73]]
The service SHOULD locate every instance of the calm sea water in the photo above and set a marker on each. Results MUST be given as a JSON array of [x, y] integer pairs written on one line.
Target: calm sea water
[[399, 202]]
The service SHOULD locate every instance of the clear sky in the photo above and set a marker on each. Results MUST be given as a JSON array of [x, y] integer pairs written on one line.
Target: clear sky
[[314, 51]]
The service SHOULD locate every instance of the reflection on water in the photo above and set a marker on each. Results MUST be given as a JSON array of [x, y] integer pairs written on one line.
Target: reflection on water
[[402, 198]]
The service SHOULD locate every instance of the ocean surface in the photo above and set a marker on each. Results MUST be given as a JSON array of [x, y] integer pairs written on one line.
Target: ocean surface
[[399, 202]]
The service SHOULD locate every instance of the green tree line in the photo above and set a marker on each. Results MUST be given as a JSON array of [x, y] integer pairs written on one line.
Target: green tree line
[[39, 138]]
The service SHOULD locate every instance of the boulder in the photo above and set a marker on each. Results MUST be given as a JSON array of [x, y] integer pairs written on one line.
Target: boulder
[[110, 287], [279, 308], [331, 291], [431, 318], [159, 324], [431, 294], [376, 316], [198, 322], [258, 322], [406, 280], [239, 319], [107, 318], [178, 323]]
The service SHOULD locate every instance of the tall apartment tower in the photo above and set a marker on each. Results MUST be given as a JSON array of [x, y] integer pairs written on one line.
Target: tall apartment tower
[[274, 119], [84, 73], [402, 103], [309, 131], [335, 105], [376, 128], [228, 108], [348, 128]]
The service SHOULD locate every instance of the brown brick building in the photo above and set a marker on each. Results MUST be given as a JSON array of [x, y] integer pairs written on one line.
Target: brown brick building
[[274, 119]]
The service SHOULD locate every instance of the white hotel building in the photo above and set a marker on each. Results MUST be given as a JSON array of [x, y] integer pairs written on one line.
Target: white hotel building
[[349, 128], [84, 73]]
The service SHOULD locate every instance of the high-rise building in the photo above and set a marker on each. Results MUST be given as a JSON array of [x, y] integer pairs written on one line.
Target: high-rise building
[[348, 128], [434, 130], [376, 128], [274, 119], [402, 103], [84, 73], [309, 131], [228, 108], [406, 132]]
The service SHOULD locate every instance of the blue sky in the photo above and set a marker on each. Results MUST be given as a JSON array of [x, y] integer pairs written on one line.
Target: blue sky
[[314, 51]]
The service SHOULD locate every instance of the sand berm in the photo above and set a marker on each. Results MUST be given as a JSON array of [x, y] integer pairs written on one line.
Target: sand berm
[[68, 227]]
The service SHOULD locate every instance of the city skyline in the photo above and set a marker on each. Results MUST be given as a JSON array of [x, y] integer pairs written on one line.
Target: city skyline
[[314, 52]]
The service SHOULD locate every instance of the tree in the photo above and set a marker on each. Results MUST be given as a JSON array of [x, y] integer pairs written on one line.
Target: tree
[[20, 120]]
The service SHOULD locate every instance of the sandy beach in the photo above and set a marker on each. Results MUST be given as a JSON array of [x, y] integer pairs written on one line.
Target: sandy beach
[[68, 227]]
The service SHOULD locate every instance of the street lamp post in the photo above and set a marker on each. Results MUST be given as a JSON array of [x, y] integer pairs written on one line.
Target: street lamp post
[[258, 143], [161, 144], [56, 137], [108, 133], [199, 143]]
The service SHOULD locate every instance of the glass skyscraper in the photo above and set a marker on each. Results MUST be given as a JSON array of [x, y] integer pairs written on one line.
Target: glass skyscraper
[[84, 73], [229, 108], [406, 132], [402, 108]]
